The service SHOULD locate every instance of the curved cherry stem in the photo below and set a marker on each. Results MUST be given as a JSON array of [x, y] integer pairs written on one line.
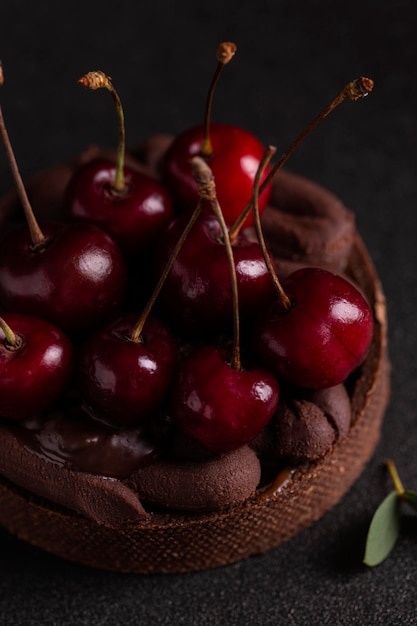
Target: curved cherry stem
[[207, 190], [225, 52], [282, 296], [137, 330], [355, 90], [37, 237], [99, 80]]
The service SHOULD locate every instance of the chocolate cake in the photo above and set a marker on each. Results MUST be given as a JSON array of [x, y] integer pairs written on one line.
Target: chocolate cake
[[105, 498]]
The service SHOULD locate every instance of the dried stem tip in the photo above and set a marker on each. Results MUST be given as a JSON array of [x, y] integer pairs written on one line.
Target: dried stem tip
[[204, 178], [359, 88], [225, 52], [1, 74], [95, 80]]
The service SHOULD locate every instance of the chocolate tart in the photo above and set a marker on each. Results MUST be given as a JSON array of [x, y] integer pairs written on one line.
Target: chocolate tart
[[302, 226]]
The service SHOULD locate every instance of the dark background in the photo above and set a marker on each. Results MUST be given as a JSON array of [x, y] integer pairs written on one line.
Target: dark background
[[293, 57]]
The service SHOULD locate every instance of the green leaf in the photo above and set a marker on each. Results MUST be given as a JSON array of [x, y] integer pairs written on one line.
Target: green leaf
[[411, 498], [383, 531]]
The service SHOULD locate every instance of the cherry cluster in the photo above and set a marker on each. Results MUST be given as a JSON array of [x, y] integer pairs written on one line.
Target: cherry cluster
[[69, 293]]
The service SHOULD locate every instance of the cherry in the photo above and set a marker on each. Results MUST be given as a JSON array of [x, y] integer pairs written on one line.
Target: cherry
[[232, 153], [235, 159], [220, 407], [197, 295], [76, 280], [130, 205], [215, 402], [125, 379], [36, 361], [323, 335], [71, 275]]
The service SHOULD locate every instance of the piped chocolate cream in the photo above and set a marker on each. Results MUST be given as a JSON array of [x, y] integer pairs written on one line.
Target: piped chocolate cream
[[307, 426]]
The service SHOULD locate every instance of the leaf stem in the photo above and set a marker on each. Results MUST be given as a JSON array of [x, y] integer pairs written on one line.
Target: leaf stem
[[399, 488]]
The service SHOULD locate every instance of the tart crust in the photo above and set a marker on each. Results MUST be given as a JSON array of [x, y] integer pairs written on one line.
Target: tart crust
[[177, 542]]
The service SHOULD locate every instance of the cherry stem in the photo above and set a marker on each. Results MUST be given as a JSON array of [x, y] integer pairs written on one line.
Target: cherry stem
[[355, 90], [284, 300], [137, 330], [399, 488], [99, 80], [37, 237], [224, 53], [207, 190], [11, 340]]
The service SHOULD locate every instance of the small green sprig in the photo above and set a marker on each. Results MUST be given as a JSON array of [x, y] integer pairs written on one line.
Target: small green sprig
[[385, 525]]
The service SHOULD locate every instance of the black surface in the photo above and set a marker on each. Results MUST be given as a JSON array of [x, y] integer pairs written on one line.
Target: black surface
[[293, 57]]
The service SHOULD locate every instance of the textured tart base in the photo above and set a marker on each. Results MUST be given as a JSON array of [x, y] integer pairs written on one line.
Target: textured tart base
[[171, 543]]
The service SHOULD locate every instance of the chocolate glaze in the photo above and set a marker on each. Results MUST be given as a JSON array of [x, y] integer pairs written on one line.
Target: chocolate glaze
[[70, 438]]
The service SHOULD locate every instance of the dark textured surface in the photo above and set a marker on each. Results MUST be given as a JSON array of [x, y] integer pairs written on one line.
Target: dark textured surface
[[292, 58]]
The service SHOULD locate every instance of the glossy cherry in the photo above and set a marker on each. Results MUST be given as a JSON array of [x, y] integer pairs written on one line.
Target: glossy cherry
[[197, 295], [75, 280], [124, 380], [322, 337], [220, 407], [134, 217], [35, 365], [232, 153], [128, 204], [234, 162]]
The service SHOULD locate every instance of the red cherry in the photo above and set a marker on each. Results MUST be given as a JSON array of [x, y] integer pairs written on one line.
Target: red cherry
[[76, 280], [234, 162], [35, 365], [323, 337], [125, 381], [129, 205], [133, 217], [197, 295], [233, 154], [220, 407]]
